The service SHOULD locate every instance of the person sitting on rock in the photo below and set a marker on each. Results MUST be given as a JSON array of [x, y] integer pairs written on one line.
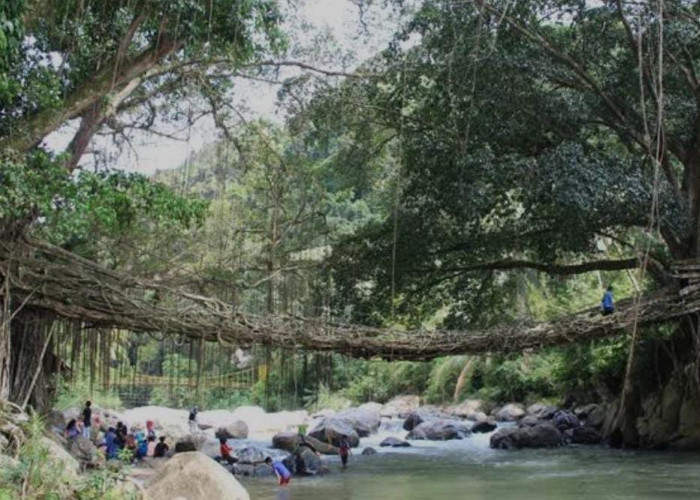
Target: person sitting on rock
[[280, 470], [607, 305], [161, 448], [121, 433], [150, 446], [344, 450], [226, 450], [142, 445], [150, 431], [71, 431]]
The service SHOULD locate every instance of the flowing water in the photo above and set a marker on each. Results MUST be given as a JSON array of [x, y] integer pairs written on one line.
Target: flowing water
[[469, 469]]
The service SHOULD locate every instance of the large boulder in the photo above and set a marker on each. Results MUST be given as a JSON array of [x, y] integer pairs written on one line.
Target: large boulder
[[368, 452], [259, 421], [541, 411], [290, 441], [510, 413], [189, 443], [528, 421], [364, 421], [305, 462], [400, 406], [440, 430], [372, 406], [330, 430], [584, 435], [85, 452], [287, 441], [592, 415], [59, 456], [236, 429], [421, 415], [394, 442], [543, 435], [564, 420], [250, 455], [470, 409], [484, 426], [193, 476]]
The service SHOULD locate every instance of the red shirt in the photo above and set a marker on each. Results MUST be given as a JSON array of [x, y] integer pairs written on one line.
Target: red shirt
[[225, 450]]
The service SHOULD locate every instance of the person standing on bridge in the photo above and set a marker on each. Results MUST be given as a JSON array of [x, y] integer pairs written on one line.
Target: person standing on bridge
[[607, 305]]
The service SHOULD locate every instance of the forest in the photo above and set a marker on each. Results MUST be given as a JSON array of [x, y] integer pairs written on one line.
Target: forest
[[496, 165]]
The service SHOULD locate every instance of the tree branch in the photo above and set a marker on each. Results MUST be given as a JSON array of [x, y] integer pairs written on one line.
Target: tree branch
[[557, 269]]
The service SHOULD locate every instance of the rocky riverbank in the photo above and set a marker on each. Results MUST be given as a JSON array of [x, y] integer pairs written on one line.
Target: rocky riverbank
[[255, 434]]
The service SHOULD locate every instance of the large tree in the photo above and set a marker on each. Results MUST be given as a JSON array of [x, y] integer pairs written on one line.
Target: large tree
[[527, 134]]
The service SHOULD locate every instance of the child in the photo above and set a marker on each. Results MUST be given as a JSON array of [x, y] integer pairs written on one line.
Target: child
[[111, 444], [161, 448], [151, 446], [72, 431], [282, 473], [226, 450], [344, 450]]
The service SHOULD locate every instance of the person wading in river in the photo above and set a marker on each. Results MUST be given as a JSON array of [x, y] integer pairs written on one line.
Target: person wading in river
[[344, 450], [607, 305], [282, 473]]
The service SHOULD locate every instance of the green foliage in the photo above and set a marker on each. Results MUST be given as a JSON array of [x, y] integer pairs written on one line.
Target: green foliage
[[38, 474], [323, 398], [74, 395]]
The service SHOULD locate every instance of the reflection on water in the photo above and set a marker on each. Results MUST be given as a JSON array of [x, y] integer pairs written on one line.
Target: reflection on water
[[468, 469]]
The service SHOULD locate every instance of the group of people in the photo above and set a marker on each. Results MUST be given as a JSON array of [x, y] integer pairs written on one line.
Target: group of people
[[141, 444]]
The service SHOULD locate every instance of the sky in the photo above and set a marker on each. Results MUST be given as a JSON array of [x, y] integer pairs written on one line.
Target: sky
[[148, 153]]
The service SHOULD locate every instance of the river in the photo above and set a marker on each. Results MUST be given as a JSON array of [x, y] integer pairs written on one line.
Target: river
[[469, 469]]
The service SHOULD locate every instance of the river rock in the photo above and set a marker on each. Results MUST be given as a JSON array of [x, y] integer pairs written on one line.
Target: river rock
[[191, 476], [394, 442], [326, 412], [85, 452], [439, 430], [305, 462], [331, 429], [250, 470], [250, 455], [484, 426], [528, 421], [372, 406], [400, 406], [369, 451], [543, 435], [189, 443], [365, 422], [233, 430], [470, 409], [290, 441], [541, 411], [421, 415], [593, 415], [287, 441], [59, 456], [584, 435], [510, 413], [564, 420]]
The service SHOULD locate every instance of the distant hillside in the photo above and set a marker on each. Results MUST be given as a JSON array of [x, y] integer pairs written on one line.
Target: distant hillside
[[202, 174]]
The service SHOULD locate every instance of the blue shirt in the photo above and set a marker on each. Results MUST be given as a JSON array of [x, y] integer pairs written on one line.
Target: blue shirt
[[608, 300], [111, 445], [281, 469]]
